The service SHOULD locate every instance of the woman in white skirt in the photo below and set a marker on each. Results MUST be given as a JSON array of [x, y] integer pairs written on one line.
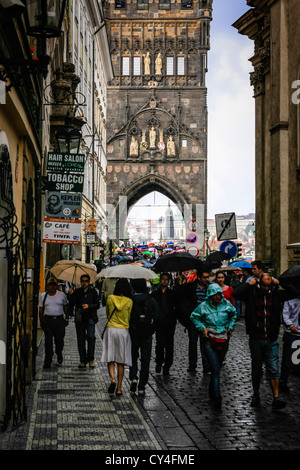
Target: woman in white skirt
[[116, 340]]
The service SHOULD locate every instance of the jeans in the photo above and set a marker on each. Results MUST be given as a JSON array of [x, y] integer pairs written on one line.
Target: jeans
[[287, 352], [164, 349], [145, 346], [215, 360], [54, 329], [86, 332], [193, 343], [264, 350]]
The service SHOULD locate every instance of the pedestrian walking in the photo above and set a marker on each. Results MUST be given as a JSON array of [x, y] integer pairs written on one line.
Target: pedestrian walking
[[85, 299], [263, 318], [291, 321], [54, 316], [189, 295], [164, 346], [143, 323], [116, 339], [215, 319], [227, 290]]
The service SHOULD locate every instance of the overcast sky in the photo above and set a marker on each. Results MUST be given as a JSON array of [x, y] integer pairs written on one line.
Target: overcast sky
[[230, 119]]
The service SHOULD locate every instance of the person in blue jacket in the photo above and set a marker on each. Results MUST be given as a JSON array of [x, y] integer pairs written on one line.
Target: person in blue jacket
[[215, 318]]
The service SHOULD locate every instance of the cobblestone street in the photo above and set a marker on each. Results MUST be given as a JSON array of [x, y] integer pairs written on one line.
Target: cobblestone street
[[70, 409]]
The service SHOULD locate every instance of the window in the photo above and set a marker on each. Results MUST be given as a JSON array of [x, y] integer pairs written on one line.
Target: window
[[136, 66], [143, 4], [180, 65], [186, 5], [170, 66], [164, 5], [125, 66], [184, 143], [120, 4]]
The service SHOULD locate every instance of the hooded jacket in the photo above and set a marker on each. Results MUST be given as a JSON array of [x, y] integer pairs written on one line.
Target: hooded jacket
[[220, 318], [121, 307]]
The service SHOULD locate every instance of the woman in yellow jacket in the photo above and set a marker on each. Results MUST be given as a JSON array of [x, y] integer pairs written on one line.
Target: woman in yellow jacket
[[116, 340]]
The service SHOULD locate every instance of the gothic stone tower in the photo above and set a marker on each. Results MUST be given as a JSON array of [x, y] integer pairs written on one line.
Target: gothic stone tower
[[157, 107]]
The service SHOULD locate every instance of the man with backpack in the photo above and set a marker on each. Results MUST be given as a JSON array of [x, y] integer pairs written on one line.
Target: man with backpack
[[143, 323]]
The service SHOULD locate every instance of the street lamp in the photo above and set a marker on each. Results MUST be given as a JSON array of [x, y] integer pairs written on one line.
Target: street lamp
[[68, 137], [43, 19]]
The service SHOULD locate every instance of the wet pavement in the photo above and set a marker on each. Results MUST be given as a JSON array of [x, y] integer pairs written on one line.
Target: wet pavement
[[70, 409]]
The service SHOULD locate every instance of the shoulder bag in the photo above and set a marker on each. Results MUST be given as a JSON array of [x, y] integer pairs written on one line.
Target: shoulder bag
[[102, 334]]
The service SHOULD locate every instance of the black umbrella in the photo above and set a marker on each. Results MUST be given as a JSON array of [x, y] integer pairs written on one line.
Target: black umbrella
[[291, 277], [215, 259], [177, 262]]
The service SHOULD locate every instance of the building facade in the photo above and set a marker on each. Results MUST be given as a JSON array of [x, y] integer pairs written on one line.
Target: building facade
[[157, 107], [273, 25]]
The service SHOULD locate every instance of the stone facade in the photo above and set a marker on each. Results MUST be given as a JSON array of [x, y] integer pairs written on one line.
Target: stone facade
[[273, 25], [157, 111]]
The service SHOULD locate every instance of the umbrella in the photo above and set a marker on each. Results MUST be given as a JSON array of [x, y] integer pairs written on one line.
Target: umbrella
[[71, 270], [241, 264], [291, 277], [218, 256], [146, 253], [128, 271], [177, 262]]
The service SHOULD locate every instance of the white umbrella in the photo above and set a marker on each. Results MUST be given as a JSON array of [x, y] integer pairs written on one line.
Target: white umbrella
[[128, 271], [71, 270]]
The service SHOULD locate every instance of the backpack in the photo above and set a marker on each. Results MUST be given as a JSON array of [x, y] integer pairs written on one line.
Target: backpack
[[142, 321]]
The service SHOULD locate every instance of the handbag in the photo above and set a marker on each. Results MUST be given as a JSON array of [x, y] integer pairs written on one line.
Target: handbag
[[102, 334], [218, 344]]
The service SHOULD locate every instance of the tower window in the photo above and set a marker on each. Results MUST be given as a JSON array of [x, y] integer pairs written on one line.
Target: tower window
[[164, 5], [125, 66], [136, 66], [180, 65], [142, 4], [186, 5], [120, 4], [170, 66]]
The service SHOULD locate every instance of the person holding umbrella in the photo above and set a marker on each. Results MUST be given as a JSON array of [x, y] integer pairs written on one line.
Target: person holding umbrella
[[86, 302]]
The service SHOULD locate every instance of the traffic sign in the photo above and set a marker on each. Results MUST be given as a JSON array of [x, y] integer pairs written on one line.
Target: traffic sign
[[229, 247], [193, 250], [226, 226], [193, 225], [192, 238]]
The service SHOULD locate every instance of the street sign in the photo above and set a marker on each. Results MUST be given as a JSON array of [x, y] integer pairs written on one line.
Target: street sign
[[193, 250], [192, 238], [65, 162], [193, 225], [62, 231], [229, 247], [64, 182], [226, 226], [63, 205]]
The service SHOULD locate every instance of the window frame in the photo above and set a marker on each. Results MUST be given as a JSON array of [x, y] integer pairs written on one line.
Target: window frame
[[164, 5], [123, 65]]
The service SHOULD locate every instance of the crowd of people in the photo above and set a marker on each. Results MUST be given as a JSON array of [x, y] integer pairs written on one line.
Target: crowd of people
[[208, 305]]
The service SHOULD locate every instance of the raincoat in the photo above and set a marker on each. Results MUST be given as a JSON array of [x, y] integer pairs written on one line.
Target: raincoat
[[219, 319], [121, 315]]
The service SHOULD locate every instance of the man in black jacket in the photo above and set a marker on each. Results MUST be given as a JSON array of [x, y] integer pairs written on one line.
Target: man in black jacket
[[262, 318], [86, 302], [164, 348]]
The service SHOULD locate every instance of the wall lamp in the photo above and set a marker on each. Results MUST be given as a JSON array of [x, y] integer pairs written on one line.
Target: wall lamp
[[68, 137], [43, 20]]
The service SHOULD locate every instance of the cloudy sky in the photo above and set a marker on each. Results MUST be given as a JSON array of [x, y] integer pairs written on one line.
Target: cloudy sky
[[231, 120]]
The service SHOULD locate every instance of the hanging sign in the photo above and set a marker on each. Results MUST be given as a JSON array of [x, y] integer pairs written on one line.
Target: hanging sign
[[65, 162], [63, 205], [65, 182], [62, 231]]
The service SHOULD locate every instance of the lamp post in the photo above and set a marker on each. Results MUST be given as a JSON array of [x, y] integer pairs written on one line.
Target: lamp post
[[43, 20]]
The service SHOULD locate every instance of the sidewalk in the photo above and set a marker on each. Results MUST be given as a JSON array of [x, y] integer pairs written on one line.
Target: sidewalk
[[70, 409]]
